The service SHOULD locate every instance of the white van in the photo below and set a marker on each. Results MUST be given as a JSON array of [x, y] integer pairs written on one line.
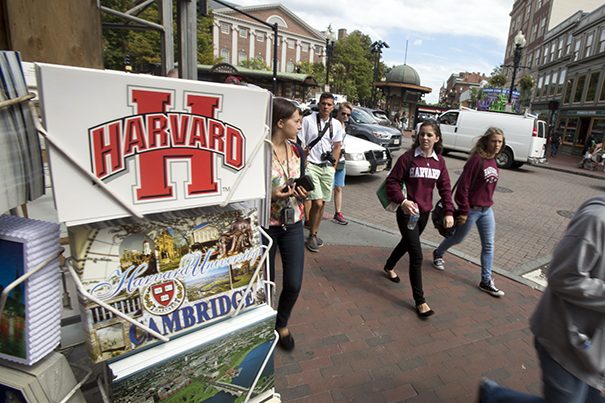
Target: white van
[[525, 135]]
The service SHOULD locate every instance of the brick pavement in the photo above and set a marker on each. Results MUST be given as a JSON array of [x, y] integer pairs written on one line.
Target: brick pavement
[[358, 338]]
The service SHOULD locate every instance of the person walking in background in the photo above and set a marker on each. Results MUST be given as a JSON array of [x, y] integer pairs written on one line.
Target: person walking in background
[[322, 138], [474, 197], [555, 142], [569, 321], [426, 169], [344, 111], [286, 228]]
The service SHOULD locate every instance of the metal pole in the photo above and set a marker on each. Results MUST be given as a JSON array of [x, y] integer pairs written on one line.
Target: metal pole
[[327, 62], [275, 59], [516, 62]]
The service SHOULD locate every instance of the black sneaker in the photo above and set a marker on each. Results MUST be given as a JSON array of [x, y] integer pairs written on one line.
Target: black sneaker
[[437, 261], [320, 243], [491, 289], [311, 243]]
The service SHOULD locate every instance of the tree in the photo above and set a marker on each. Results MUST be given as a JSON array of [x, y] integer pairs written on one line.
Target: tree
[[144, 47], [526, 83], [497, 79], [476, 94], [353, 54], [255, 63]]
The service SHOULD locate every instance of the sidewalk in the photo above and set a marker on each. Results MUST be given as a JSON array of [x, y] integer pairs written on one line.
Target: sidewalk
[[358, 338]]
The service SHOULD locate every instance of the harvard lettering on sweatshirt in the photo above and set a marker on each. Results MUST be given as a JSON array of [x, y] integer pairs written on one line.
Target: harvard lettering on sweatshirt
[[483, 190], [420, 181]]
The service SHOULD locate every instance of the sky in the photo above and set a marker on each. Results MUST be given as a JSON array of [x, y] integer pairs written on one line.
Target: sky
[[443, 36]]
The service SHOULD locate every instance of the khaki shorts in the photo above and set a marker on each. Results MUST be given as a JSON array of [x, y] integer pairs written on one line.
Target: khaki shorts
[[323, 178]]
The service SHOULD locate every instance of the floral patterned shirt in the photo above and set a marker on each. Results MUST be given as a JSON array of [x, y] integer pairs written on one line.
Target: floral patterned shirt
[[278, 179]]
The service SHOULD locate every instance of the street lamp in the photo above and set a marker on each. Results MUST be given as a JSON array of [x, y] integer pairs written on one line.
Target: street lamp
[[329, 52], [376, 48], [519, 45]]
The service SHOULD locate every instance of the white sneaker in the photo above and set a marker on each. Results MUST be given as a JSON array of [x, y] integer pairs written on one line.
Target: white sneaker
[[437, 262]]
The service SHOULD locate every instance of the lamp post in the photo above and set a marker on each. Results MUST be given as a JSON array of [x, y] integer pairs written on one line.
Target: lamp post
[[519, 45], [329, 53], [376, 48]]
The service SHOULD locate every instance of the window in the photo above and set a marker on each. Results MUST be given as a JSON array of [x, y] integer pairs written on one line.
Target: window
[[318, 50], [598, 128], [588, 46], [539, 87], [512, 25], [289, 66], [546, 83], [508, 50], [572, 128], [528, 11], [560, 51], [519, 20], [291, 43], [542, 25], [576, 51], [568, 47], [568, 88], [224, 28], [545, 60], [602, 97], [260, 36], [260, 57], [553, 86], [243, 32], [305, 47], [579, 89], [537, 58], [241, 57], [592, 87], [552, 50], [533, 32], [539, 4], [225, 54], [561, 82], [529, 60], [602, 41]]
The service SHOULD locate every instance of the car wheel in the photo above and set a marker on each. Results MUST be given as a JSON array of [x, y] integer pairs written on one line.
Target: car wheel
[[445, 151], [505, 159], [518, 164]]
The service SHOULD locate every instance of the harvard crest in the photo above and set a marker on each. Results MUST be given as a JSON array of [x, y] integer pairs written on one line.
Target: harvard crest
[[164, 297]]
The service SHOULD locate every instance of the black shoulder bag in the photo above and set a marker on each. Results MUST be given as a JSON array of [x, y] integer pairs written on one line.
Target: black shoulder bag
[[437, 215]]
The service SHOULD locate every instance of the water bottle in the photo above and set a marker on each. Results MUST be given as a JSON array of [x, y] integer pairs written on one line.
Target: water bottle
[[413, 219]]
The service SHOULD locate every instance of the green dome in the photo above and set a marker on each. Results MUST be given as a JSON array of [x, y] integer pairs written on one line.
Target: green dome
[[403, 74]]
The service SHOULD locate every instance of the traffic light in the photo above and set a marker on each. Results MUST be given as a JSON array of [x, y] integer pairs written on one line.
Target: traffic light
[[202, 8], [127, 65]]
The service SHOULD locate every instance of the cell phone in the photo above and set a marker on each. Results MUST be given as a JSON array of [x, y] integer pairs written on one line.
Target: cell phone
[[305, 182], [288, 186]]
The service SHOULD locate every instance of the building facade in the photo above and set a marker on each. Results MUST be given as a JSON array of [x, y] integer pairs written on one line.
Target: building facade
[[535, 18], [238, 37], [456, 84], [570, 93]]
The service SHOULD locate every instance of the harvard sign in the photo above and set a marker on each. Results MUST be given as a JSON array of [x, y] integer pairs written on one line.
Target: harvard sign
[[160, 144]]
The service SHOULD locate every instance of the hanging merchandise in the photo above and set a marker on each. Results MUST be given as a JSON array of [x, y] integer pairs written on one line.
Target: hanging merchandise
[[155, 144]]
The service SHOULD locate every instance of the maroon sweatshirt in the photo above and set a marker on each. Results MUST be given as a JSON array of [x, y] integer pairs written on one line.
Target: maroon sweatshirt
[[420, 181], [484, 187]]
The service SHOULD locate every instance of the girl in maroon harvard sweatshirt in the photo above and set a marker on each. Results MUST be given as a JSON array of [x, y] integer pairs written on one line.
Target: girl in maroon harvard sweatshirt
[[474, 199], [426, 169]]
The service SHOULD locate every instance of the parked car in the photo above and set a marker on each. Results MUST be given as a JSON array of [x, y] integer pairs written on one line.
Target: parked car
[[380, 116], [525, 135], [364, 157], [362, 125]]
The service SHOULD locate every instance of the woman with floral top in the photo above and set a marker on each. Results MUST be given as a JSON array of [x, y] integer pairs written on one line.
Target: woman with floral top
[[286, 199]]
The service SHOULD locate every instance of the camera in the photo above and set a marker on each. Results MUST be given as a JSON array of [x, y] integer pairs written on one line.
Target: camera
[[288, 185], [327, 156]]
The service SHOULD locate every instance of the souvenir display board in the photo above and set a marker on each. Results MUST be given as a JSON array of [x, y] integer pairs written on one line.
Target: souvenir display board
[[30, 325], [227, 363], [172, 276], [159, 144]]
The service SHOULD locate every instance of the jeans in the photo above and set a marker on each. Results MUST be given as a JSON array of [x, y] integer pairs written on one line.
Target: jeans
[[291, 244], [486, 225], [410, 243], [559, 386], [554, 149]]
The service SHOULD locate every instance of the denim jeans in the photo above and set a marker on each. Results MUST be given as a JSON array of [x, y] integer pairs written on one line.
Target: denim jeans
[[559, 386], [410, 243], [291, 244], [486, 225], [554, 149]]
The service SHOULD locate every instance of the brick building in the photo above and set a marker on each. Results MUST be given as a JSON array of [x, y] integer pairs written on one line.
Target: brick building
[[238, 37], [449, 94]]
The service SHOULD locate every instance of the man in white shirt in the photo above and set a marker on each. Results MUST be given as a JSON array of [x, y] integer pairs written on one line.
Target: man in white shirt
[[322, 156]]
